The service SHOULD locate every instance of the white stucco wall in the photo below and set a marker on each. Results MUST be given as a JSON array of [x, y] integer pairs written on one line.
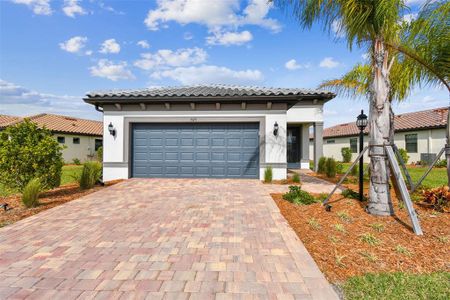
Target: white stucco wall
[[305, 113], [84, 151], [428, 141], [116, 149]]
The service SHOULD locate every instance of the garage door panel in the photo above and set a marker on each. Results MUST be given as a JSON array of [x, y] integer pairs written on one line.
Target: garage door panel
[[216, 150]]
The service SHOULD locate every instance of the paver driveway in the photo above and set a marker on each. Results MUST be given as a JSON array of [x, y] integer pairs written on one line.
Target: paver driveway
[[160, 238]]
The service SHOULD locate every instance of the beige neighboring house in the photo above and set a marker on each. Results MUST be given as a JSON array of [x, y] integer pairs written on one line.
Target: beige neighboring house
[[421, 133], [80, 137]]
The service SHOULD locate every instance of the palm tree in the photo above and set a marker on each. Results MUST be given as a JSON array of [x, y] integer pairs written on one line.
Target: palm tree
[[423, 56], [376, 25]]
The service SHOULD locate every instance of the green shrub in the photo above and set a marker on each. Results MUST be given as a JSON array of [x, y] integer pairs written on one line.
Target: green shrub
[[76, 161], [28, 152], [442, 163], [346, 154], [339, 168], [296, 178], [31, 192], [351, 194], [330, 167], [268, 174], [91, 173], [298, 196], [322, 165], [100, 154], [355, 170], [404, 155]]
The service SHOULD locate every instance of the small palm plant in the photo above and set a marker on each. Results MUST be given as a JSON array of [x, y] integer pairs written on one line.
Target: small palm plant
[[30, 194], [90, 174], [268, 174]]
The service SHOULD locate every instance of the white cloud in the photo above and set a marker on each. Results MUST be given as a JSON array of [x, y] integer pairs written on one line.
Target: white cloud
[[110, 46], [229, 38], [18, 100], [169, 58], [144, 44], [408, 18], [72, 8], [39, 7], [214, 15], [209, 74], [111, 9], [89, 52], [74, 45], [338, 28], [110, 70], [294, 65], [329, 62], [415, 2]]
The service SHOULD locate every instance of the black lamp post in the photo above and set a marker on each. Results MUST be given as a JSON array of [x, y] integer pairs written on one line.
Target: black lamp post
[[361, 122]]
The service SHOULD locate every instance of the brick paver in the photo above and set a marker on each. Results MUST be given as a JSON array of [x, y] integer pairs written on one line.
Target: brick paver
[[160, 239]]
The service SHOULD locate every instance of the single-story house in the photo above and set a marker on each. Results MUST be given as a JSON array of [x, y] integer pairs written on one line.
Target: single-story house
[[80, 137], [208, 131], [421, 134]]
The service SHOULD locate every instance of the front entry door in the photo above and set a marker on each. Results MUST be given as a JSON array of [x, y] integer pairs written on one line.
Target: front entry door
[[293, 147]]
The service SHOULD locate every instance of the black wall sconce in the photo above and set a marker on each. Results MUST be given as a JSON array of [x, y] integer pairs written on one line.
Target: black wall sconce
[[275, 129], [111, 129]]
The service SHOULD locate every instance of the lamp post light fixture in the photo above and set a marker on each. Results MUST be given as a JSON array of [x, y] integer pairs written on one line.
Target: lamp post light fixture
[[361, 122], [275, 129], [111, 129]]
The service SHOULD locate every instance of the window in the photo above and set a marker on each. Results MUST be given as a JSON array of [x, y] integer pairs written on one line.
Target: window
[[354, 145], [331, 141], [98, 144], [61, 139], [411, 143], [76, 140]]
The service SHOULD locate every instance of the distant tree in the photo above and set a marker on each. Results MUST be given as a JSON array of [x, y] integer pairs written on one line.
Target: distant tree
[[28, 152]]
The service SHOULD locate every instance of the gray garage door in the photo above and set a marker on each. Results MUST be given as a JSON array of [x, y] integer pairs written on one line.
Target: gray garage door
[[216, 150]]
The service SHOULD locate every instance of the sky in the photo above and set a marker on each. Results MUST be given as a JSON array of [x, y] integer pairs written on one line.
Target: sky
[[52, 52]]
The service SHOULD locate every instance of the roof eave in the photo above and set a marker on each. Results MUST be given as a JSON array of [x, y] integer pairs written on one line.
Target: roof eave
[[207, 99]]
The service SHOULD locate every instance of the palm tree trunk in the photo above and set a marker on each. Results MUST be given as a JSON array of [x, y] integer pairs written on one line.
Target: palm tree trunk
[[447, 148], [379, 127]]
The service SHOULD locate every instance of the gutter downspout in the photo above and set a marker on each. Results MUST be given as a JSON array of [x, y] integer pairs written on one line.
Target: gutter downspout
[[97, 108]]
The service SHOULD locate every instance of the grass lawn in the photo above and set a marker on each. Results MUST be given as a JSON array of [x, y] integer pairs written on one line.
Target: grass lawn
[[68, 172], [398, 286], [437, 176]]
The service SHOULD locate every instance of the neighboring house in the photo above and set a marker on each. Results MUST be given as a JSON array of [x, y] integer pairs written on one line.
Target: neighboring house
[[421, 134], [208, 131], [80, 137]]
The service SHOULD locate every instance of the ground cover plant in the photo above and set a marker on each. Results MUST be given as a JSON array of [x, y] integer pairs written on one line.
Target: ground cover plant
[[352, 243], [298, 196], [398, 286]]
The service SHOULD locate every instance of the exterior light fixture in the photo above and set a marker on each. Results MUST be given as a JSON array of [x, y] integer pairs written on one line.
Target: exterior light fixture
[[111, 129], [275, 129], [361, 123]]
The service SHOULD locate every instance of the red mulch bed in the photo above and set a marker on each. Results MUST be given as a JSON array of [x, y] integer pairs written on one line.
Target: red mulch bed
[[343, 254], [47, 200]]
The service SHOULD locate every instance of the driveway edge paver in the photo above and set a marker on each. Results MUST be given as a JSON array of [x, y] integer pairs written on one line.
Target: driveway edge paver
[[315, 281]]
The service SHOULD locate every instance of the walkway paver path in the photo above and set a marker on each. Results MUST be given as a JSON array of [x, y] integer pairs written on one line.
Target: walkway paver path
[[160, 239]]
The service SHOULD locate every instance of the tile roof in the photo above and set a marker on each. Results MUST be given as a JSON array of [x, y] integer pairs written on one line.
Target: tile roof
[[5, 120], [432, 118], [208, 91], [58, 123]]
